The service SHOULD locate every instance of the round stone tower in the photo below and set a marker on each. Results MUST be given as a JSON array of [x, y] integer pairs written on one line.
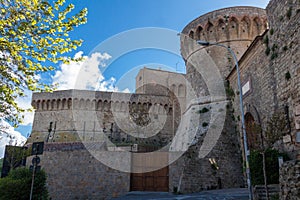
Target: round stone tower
[[235, 27]]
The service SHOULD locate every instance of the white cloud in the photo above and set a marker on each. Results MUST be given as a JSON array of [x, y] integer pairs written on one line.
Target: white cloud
[[108, 85], [126, 91], [8, 136], [76, 75], [25, 103], [85, 74]]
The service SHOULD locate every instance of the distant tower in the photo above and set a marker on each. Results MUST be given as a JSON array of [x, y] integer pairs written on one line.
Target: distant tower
[[236, 27]]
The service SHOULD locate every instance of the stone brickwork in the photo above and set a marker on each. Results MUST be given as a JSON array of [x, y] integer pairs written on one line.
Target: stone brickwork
[[244, 21], [259, 101], [220, 168], [72, 173], [98, 116], [270, 66], [284, 20], [235, 27], [92, 117], [160, 82], [174, 82], [190, 173], [289, 178]]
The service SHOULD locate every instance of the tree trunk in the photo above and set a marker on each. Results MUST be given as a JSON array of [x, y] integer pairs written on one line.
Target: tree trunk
[[265, 174]]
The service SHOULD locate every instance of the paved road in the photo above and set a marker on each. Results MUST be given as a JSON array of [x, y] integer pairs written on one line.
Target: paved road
[[225, 194]]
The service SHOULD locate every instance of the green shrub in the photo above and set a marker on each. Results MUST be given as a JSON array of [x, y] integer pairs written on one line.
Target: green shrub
[[17, 185], [274, 47], [203, 110], [268, 50], [272, 168], [229, 92], [285, 48], [281, 18], [289, 13], [274, 55], [266, 40], [204, 124], [287, 76]]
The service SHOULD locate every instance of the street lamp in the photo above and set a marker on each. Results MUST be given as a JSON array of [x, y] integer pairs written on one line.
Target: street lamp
[[205, 43]]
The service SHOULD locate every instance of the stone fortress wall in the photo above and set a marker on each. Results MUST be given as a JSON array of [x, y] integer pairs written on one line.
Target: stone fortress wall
[[171, 84], [73, 173], [86, 115], [82, 116], [91, 116], [172, 81], [235, 27], [190, 173], [271, 68], [284, 59], [223, 25]]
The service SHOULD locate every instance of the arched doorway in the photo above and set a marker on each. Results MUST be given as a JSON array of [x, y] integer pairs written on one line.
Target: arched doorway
[[253, 132]]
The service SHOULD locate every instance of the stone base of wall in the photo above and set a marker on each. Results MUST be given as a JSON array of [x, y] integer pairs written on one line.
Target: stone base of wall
[[191, 174], [73, 173], [289, 180]]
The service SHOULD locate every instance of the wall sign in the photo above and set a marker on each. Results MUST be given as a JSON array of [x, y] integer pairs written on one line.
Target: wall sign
[[246, 88], [286, 139]]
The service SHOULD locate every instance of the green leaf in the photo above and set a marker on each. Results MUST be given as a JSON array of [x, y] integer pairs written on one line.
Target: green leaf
[[31, 37]]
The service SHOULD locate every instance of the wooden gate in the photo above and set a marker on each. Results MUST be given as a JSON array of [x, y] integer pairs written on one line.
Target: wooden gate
[[149, 180]]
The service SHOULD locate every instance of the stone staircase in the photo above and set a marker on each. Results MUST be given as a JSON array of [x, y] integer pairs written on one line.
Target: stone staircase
[[260, 192]]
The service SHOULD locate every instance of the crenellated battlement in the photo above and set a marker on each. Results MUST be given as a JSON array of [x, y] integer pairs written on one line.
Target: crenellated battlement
[[242, 22], [98, 101], [235, 27], [81, 115]]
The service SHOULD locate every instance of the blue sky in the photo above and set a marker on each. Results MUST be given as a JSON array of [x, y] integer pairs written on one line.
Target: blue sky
[[107, 18]]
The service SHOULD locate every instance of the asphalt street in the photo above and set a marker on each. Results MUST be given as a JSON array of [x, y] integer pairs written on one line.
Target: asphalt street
[[225, 194]]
